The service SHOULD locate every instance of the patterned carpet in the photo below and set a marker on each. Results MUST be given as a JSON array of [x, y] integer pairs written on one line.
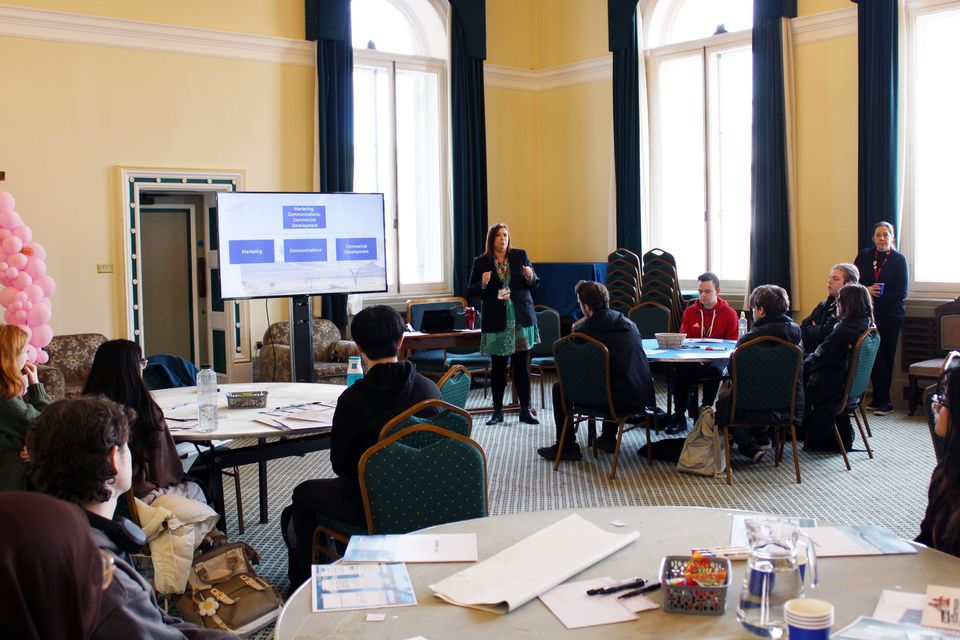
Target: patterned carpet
[[889, 490]]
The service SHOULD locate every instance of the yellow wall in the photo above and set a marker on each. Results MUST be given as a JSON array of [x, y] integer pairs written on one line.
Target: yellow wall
[[75, 113]]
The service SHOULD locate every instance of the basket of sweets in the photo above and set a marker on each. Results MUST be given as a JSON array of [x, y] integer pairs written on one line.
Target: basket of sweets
[[247, 400], [695, 584]]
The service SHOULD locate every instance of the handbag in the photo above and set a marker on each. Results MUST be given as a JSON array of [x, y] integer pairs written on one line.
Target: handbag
[[702, 453], [225, 592]]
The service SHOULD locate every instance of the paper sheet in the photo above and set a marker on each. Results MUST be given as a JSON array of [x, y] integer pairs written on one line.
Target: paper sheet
[[535, 565], [864, 628], [899, 606], [871, 540], [360, 586], [575, 609], [437, 547]]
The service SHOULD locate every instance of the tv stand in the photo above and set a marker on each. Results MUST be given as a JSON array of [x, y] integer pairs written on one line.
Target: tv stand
[[301, 338]]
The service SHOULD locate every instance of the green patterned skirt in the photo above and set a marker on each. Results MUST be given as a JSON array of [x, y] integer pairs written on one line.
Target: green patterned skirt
[[513, 338]]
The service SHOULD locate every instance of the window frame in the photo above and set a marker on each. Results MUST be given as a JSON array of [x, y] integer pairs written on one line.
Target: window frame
[[919, 290], [393, 62]]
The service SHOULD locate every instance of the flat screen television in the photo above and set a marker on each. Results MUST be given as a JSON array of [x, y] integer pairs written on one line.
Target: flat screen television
[[289, 244]]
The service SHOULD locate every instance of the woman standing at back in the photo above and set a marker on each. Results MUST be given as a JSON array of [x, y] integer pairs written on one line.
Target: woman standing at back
[[117, 374], [17, 410]]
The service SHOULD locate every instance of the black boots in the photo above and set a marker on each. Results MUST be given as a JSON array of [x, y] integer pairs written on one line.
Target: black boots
[[526, 417]]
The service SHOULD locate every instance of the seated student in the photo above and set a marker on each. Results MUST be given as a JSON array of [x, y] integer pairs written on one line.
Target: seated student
[[388, 388], [818, 325], [79, 453], [708, 317], [17, 411], [827, 370], [770, 305], [632, 384], [117, 374], [940, 528], [52, 573]]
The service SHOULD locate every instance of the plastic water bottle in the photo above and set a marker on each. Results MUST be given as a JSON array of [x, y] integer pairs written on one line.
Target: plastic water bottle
[[354, 370], [742, 325], [207, 399]]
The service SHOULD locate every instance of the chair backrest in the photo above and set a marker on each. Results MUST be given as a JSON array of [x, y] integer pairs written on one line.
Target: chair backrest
[[407, 488], [651, 318], [454, 386], [325, 337], [630, 277], [950, 361], [166, 371], [625, 255], [764, 374], [861, 364], [548, 323], [661, 254], [583, 365], [73, 354], [445, 416], [415, 308]]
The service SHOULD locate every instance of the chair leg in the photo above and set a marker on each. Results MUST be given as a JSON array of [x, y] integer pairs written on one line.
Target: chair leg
[[236, 488], [863, 434], [843, 450], [796, 454], [726, 452], [863, 414], [616, 451], [914, 395], [592, 435], [651, 418], [563, 439]]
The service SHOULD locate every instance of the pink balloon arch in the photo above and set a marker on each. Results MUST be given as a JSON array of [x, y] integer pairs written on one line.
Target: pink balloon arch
[[26, 286]]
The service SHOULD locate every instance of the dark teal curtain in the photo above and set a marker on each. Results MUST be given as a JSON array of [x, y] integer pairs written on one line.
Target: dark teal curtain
[[770, 233], [328, 23], [622, 27], [877, 53], [468, 49]]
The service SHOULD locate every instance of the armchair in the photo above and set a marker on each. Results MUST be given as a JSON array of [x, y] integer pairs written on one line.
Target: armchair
[[71, 357], [330, 353]]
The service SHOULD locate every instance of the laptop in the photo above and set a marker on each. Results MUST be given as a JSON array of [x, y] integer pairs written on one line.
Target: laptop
[[437, 321]]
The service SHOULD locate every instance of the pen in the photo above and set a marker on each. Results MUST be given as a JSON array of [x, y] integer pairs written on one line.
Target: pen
[[636, 592], [629, 583]]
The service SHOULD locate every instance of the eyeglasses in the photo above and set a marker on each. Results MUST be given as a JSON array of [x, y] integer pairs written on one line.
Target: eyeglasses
[[143, 363], [109, 568]]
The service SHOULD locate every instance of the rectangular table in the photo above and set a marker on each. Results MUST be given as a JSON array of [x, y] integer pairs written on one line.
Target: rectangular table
[[418, 340], [236, 424]]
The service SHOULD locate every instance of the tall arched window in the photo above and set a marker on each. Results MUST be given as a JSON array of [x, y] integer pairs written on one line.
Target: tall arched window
[[699, 69], [400, 141]]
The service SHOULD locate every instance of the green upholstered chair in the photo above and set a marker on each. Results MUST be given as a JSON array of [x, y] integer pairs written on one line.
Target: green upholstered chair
[[541, 355], [651, 318], [408, 488], [764, 374], [455, 386], [624, 255], [658, 254], [861, 364], [583, 364], [442, 414]]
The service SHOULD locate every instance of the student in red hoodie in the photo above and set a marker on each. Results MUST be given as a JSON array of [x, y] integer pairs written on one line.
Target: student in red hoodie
[[709, 317]]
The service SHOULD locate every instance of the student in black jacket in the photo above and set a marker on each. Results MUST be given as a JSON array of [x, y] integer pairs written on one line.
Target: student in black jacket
[[828, 368], [503, 278], [770, 305], [388, 388], [883, 270], [630, 379], [940, 528], [818, 325]]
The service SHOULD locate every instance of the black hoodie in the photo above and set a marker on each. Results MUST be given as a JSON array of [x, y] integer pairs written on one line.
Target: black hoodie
[[629, 370], [386, 390]]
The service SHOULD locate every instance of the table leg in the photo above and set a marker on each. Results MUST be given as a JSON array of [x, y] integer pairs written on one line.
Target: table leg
[[262, 472]]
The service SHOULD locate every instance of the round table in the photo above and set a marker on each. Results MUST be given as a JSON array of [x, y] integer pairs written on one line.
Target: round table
[[853, 585]]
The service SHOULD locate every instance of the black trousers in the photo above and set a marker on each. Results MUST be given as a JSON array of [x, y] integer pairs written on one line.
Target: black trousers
[[690, 375], [521, 377], [312, 498], [889, 330]]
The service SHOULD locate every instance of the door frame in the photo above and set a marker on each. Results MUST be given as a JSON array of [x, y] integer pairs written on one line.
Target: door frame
[[133, 180]]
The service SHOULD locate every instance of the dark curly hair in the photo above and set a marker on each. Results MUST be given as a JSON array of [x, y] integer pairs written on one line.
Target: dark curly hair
[[70, 443], [943, 507]]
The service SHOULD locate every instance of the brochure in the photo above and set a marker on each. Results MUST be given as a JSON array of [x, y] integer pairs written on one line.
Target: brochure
[[437, 547], [336, 587], [942, 608]]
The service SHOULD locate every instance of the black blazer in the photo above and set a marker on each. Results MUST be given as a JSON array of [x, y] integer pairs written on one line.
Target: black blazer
[[494, 311]]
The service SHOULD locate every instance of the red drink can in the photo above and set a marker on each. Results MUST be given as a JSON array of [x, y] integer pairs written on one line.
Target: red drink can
[[471, 315]]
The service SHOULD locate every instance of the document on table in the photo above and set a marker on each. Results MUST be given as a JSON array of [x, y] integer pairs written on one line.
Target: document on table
[[534, 565], [864, 628], [872, 540], [899, 606], [336, 587], [575, 609], [437, 547], [738, 530]]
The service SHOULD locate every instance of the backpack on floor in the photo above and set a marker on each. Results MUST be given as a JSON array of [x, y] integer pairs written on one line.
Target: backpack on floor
[[702, 453]]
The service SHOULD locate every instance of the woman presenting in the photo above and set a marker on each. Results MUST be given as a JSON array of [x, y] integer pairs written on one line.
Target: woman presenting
[[503, 278], [883, 270]]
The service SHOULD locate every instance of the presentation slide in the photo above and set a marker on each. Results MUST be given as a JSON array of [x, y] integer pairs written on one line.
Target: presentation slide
[[284, 244]]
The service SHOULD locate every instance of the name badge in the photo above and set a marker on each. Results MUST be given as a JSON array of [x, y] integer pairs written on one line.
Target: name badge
[[503, 294]]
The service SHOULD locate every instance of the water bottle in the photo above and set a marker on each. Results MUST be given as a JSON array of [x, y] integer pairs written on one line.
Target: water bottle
[[207, 399], [742, 325], [354, 370]]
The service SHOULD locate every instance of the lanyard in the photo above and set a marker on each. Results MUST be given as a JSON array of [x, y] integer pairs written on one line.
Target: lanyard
[[877, 269], [709, 333]]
